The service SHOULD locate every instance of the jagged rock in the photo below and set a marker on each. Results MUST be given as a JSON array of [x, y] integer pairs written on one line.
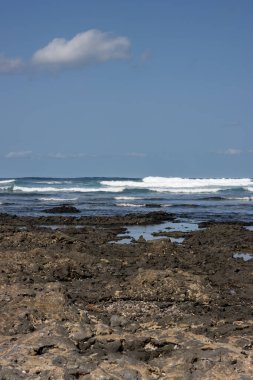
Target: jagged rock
[[75, 306]]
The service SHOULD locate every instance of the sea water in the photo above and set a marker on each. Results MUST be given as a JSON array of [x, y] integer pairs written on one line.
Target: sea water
[[191, 199]]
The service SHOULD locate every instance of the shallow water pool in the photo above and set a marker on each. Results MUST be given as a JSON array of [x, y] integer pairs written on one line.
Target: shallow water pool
[[243, 255]]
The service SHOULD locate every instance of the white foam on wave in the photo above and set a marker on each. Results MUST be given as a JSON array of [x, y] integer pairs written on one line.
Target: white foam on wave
[[178, 182], [66, 189], [240, 198], [181, 185], [6, 184], [128, 205], [3, 188], [187, 191], [52, 182], [250, 188], [57, 199], [6, 181], [127, 198]]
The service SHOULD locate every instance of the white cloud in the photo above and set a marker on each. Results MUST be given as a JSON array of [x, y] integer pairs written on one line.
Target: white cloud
[[67, 156], [59, 156], [10, 65], [232, 152], [20, 154], [92, 46]]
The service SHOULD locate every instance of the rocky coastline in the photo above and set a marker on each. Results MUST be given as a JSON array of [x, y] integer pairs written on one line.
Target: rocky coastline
[[76, 305]]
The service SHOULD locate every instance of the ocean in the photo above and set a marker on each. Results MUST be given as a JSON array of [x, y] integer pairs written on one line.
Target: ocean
[[194, 199]]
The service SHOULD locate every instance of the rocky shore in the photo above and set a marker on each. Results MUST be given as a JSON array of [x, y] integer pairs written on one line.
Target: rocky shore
[[74, 305]]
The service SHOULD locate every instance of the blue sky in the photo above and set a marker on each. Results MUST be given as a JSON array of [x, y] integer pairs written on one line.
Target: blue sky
[[126, 88]]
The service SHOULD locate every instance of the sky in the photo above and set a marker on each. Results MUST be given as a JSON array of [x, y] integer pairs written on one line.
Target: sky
[[126, 88]]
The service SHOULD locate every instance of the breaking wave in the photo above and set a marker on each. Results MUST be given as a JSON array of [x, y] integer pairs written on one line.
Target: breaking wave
[[52, 182], [6, 184], [189, 191], [66, 189], [181, 185], [57, 199], [129, 205], [240, 198], [127, 198], [154, 184], [6, 181], [188, 197]]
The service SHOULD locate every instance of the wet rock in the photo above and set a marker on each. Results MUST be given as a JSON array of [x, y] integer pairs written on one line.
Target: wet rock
[[63, 209], [141, 239]]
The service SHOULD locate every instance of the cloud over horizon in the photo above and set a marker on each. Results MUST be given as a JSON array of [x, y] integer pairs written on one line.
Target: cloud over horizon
[[10, 65], [19, 154], [68, 156], [232, 152], [90, 47]]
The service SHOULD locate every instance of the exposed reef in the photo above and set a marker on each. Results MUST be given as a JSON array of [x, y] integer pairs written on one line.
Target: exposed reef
[[74, 305]]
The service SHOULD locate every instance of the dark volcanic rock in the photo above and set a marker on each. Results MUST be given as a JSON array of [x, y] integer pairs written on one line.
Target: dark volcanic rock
[[63, 209], [75, 306], [154, 217]]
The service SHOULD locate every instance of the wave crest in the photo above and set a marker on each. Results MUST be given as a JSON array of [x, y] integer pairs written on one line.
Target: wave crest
[[6, 181], [66, 189], [129, 205], [57, 199], [181, 185], [6, 184], [127, 198]]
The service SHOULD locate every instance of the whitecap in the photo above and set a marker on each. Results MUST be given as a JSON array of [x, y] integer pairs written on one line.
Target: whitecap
[[181, 185], [240, 198], [6, 181], [52, 182], [127, 198], [187, 191], [67, 189], [178, 182], [6, 184], [57, 199], [2, 188], [128, 205]]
